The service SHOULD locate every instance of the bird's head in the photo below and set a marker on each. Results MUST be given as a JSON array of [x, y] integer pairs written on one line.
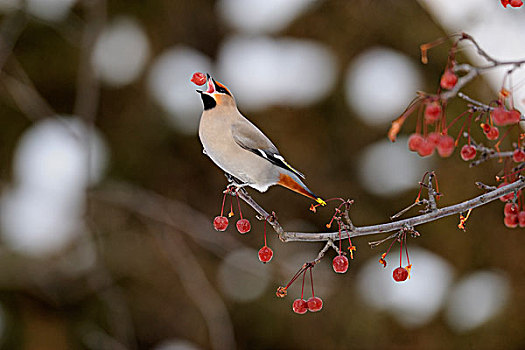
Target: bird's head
[[217, 94]]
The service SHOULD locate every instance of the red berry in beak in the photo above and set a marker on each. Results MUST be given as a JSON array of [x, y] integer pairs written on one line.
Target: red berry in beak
[[198, 79]]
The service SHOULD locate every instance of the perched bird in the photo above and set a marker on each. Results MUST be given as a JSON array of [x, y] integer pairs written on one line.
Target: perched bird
[[240, 149]]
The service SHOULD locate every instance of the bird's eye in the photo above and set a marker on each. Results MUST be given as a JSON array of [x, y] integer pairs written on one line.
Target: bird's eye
[[222, 90]]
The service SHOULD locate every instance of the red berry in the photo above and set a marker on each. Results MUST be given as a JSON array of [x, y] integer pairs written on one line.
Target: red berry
[[510, 209], [521, 218], [505, 3], [448, 79], [400, 274], [220, 223], [499, 116], [340, 264], [432, 112], [265, 254], [518, 156], [198, 79], [426, 148], [493, 133], [468, 152], [314, 304], [243, 226], [513, 116], [445, 145], [433, 137], [516, 3], [414, 142], [299, 306], [511, 221]]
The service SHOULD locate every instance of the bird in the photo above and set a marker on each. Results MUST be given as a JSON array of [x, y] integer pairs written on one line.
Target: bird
[[240, 149]]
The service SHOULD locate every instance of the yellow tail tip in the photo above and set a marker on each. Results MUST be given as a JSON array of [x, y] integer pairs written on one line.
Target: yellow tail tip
[[320, 201]]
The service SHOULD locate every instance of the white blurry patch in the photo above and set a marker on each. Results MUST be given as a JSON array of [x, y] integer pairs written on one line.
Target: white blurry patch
[[262, 71], [121, 52], [53, 156], [177, 344], [36, 223], [9, 5], [387, 168], [43, 210], [414, 302], [475, 299], [498, 30], [169, 83], [380, 83], [256, 16], [50, 10], [242, 277]]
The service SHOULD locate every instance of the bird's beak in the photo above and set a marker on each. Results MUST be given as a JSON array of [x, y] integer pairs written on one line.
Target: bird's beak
[[211, 84]]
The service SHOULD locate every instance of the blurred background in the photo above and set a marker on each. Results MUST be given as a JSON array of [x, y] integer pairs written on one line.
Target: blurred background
[[107, 200]]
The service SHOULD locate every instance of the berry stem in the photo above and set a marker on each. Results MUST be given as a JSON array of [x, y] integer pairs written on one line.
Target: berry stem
[[445, 129], [469, 119], [265, 232], [503, 137], [302, 288], [222, 207], [231, 213], [239, 204], [400, 251], [339, 224], [406, 249], [312, 281]]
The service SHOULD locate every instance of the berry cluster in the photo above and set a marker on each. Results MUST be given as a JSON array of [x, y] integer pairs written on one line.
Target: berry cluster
[[220, 223], [512, 3], [514, 209], [301, 306]]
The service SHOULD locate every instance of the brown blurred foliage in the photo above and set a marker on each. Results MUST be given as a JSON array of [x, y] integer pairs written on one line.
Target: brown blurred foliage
[[157, 257]]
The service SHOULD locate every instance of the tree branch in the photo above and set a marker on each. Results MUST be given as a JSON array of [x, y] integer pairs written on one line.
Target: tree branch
[[392, 226]]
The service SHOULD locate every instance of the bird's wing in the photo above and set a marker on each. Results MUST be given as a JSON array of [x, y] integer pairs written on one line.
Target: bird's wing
[[249, 137]]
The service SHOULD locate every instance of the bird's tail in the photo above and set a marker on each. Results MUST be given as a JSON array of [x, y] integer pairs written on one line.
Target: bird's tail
[[293, 183]]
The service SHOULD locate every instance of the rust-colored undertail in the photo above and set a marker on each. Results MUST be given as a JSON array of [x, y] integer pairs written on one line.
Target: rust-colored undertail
[[291, 184]]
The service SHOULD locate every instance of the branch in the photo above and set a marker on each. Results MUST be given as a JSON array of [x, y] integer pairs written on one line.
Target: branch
[[473, 71], [392, 226]]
